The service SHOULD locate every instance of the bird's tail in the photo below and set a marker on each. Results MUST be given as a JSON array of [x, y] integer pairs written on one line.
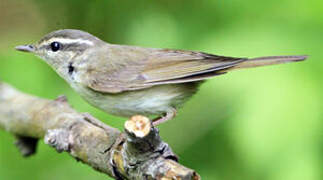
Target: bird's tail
[[269, 60]]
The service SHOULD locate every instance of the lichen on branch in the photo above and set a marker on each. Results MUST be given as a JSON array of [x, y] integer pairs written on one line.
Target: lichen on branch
[[136, 153]]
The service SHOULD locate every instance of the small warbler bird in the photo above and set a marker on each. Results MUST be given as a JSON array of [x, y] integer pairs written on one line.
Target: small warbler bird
[[129, 80]]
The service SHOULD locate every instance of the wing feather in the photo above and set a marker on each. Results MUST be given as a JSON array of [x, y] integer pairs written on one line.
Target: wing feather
[[139, 68]]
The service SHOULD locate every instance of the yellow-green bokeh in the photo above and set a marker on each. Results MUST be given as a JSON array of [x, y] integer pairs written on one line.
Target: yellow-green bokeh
[[264, 123]]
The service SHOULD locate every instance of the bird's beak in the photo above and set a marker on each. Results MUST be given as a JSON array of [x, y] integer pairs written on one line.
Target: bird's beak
[[26, 48]]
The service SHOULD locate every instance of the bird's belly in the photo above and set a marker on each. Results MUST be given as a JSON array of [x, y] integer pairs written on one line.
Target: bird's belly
[[152, 101]]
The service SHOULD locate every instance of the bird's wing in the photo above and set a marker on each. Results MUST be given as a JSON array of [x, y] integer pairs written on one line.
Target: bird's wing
[[128, 68]]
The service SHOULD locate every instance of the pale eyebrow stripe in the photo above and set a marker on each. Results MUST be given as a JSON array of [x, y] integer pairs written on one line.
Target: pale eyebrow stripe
[[69, 41]]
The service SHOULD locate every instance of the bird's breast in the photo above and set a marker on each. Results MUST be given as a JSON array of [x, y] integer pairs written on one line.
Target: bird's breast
[[151, 101]]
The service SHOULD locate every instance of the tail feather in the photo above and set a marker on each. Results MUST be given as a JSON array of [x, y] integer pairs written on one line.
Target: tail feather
[[270, 60]]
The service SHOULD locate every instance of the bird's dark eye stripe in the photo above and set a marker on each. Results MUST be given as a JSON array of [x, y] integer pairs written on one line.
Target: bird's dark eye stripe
[[67, 47]]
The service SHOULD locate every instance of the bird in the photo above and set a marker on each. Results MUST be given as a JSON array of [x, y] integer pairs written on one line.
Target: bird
[[125, 80]]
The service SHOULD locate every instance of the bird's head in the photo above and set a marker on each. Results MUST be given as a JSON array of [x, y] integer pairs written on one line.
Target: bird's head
[[61, 47]]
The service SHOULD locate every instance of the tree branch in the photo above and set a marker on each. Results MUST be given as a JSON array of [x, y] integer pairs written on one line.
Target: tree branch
[[137, 153]]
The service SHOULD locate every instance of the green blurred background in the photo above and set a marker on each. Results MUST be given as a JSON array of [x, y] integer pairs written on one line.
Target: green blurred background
[[264, 123]]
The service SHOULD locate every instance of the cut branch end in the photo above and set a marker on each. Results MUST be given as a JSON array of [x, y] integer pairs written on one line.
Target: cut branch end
[[138, 125]]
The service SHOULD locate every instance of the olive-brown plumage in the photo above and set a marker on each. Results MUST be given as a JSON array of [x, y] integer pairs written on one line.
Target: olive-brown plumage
[[128, 80]]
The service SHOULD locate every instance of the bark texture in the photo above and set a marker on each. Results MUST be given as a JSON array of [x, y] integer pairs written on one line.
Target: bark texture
[[136, 153]]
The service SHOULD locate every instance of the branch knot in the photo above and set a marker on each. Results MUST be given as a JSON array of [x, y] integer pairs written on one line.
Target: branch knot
[[58, 139]]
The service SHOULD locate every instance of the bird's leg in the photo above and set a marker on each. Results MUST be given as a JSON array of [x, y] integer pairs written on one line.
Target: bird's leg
[[89, 118], [170, 114]]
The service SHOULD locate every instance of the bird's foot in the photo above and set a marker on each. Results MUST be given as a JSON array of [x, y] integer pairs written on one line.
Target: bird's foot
[[168, 116], [89, 118]]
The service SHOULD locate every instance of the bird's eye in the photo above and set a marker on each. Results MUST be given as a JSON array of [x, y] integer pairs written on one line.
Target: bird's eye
[[55, 46]]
